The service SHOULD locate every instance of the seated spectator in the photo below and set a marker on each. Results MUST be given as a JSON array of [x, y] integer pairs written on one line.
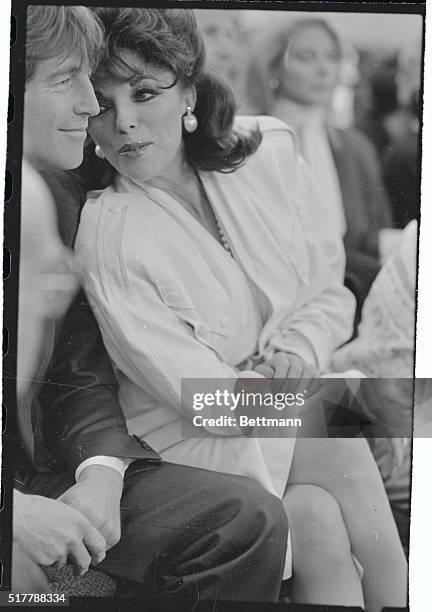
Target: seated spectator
[[302, 64]]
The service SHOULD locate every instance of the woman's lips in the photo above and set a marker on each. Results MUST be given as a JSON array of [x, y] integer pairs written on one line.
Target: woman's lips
[[133, 149]]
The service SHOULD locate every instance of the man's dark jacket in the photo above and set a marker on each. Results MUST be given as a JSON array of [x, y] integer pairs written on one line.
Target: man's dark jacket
[[72, 410]]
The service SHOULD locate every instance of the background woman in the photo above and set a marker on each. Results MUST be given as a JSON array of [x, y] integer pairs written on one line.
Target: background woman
[[300, 67], [186, 262]]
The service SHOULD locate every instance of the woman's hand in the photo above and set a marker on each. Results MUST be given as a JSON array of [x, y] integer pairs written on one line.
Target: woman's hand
[[286, 365], [283, 368]]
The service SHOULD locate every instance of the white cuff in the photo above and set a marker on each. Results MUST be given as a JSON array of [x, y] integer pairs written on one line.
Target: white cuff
[[117, 463]]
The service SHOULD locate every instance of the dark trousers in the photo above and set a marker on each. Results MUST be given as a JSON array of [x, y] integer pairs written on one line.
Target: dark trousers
[[187, 531]]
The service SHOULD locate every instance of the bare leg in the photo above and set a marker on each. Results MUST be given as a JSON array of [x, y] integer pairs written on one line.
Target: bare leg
[[347, 470], [323, 568]]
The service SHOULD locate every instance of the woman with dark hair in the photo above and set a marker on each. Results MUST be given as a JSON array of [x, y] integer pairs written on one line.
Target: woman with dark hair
[[206, 257], [299, 68]]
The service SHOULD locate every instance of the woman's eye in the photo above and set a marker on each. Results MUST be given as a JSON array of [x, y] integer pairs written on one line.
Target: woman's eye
[[144, 95]]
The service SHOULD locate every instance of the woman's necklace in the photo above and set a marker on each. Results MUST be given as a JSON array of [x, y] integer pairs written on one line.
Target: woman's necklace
[[222, 236], [200, 207]]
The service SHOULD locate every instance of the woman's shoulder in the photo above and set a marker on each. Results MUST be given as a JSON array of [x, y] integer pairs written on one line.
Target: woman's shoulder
[[97, 197], [120, 238], [265, 123], [127, 222], [279, 141], [132, 217], [111, 202], [272, 129]]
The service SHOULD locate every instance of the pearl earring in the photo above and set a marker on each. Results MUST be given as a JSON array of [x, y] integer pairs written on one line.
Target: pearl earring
[[190, 122], [99, 152]]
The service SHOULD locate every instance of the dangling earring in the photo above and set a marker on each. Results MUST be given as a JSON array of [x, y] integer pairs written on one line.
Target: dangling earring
[[99, 152], [190, 122]]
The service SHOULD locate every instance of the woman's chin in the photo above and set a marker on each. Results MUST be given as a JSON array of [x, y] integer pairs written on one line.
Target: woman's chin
[[134, 172]]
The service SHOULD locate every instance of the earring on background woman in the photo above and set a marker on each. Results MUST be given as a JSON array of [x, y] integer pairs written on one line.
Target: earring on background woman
[[99, 152], [190, 122]]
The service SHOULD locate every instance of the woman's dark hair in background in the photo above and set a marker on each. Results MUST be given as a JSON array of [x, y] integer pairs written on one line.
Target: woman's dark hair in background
[[169, 39]]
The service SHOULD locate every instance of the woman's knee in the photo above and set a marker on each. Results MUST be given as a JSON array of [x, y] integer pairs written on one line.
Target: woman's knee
[[315, 514]]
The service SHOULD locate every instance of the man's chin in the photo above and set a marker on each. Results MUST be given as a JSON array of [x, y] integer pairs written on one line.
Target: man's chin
[[69, 162], [59, 163]]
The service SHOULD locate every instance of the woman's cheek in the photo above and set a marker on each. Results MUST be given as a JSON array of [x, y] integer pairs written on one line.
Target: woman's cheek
[[96, 132]]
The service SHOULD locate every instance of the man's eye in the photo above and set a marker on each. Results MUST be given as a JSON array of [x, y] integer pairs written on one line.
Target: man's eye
[[64, 82]]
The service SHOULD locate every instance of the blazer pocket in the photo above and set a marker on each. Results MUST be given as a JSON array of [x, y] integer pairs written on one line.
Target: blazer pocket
[[173, 294], [206, 310], [214, 309]]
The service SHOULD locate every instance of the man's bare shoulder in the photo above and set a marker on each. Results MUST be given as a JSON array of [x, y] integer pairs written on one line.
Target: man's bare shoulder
[[33, 187], [38, 213]]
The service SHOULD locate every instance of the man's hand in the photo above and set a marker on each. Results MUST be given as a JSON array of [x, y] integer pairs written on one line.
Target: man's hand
[[51, 533], [97, 495]]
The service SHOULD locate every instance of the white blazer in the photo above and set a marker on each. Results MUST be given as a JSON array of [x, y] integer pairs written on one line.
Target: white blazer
[[171, 303]]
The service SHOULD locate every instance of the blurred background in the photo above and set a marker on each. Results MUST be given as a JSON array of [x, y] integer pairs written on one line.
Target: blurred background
[[375, 88]]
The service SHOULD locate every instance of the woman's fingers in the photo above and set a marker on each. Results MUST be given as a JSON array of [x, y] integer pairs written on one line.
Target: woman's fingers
[[80, 558], [265, 369], [287, 365], [281, 365]]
